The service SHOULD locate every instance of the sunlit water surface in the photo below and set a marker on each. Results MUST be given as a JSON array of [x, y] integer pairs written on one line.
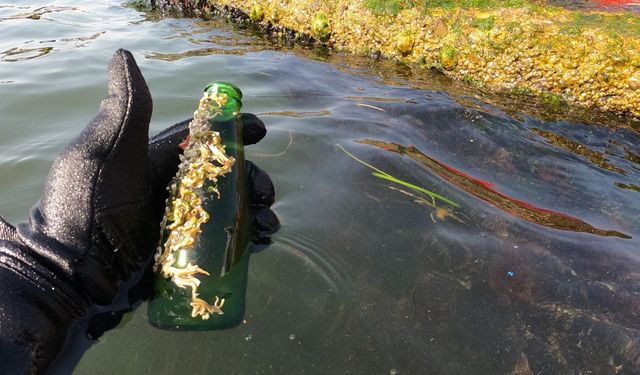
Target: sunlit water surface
[[533, 273]]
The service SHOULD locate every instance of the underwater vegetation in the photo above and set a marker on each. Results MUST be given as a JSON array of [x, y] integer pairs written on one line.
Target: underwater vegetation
[[386, 176], [485, 191], [565, 308]]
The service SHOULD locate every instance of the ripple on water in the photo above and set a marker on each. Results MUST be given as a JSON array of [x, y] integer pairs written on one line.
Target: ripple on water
[[35, 14], [300, 277], [205, 33], [193, 53], [21, 54], [297, 305], [40, 30]]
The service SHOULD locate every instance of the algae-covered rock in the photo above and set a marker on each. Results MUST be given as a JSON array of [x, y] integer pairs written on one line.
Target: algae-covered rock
[[439, 28], [257, 13], [552, 100], [484, 23], [405, 42], [589, 58], [448, 57], [275, 15], [320, 27]]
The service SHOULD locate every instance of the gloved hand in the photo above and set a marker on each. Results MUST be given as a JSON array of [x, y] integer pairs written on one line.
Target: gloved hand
[[97, 221]]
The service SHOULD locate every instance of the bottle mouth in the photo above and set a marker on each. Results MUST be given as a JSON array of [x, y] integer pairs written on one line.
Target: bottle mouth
[[225, 87]]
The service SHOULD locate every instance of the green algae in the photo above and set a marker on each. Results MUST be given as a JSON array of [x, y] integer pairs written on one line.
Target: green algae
[[523, 91], [624, 24], [469, 80], [485, 24], [479, 4], [139, 5], [448, 57], [405, 42], [552, 100], [256, 14], [320, 27], [628, 186], [386, 176], [393, 7], [513, 28]]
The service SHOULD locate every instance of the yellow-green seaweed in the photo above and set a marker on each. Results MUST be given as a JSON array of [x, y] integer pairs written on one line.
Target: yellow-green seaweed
[[256, 14], [321, 28]]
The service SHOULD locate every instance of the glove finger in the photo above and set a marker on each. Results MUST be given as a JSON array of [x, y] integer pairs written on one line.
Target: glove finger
[[164, 147], [113, 142], [265, 221], [164, 154], [260, 186], [95, 184], [253, 129]]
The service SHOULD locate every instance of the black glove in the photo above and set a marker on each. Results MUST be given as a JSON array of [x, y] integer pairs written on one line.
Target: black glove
[[97, 222]]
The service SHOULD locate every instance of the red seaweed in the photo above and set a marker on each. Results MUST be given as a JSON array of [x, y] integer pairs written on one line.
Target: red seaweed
[[485, 191]]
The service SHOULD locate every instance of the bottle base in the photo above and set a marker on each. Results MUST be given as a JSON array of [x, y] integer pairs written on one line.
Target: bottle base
[[172, 326]]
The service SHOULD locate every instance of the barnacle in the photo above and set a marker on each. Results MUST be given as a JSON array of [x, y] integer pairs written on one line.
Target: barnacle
[[204, 160], [202, 308]]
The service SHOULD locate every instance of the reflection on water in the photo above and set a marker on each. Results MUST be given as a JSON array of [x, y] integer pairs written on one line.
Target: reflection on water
[[296, 114], [366, 275], [579, 149], [207, 33], [20, 54], [192, 53], [35, 14]]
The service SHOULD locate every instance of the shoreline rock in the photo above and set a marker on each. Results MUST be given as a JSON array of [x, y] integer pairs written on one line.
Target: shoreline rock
[[589, 59]]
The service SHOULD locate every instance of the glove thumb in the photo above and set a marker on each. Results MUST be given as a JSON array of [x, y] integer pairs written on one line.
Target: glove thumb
[[100, 175]]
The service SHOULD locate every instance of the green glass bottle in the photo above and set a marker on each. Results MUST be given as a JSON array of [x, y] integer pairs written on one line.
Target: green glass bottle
[[202, 262]]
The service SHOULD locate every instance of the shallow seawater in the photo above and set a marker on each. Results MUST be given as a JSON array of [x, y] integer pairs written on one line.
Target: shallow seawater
[[534, 270]]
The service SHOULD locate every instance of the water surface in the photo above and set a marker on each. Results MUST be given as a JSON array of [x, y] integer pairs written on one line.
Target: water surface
[[366, 276]]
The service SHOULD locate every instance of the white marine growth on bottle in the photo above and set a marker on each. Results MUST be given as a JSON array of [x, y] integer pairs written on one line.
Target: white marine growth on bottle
[[204, 160]]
